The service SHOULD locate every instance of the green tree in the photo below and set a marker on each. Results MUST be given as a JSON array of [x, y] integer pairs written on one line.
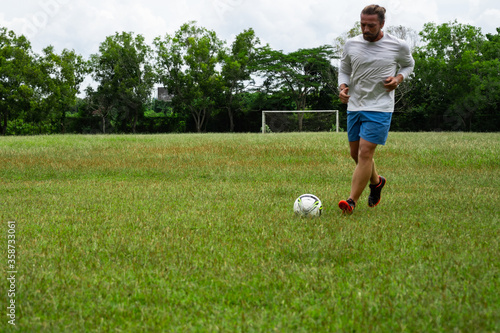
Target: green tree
[[187, 67], [299, 75], [237, 70], [16, 77], [60, 78], [101, 103], [125, 78], [452, 73], [486, 82]]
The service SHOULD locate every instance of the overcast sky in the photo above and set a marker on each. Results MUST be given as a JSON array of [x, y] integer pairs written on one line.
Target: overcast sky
[[286, 25]]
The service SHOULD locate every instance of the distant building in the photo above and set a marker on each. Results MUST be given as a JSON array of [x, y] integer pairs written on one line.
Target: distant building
[[163, 95]]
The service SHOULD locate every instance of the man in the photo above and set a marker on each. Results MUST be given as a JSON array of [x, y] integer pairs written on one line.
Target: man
[[372, 66]]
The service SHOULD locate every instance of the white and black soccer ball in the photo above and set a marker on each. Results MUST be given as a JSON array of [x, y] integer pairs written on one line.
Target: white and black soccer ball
[[308, 205]]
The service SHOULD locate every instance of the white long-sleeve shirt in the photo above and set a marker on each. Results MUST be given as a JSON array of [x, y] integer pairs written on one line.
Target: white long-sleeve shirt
[[365, 65]]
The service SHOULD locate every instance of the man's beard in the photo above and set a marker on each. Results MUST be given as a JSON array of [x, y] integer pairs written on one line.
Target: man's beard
[[371, 37]]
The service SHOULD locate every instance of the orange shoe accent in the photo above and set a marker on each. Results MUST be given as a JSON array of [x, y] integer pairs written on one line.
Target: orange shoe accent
[[346, 208]]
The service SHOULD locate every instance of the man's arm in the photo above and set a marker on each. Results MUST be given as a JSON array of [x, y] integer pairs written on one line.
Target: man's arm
[[406, 63], [392, 82], [344, 76], [344, 93]]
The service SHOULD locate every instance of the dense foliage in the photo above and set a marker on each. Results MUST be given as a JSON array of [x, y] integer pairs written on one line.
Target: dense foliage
[[220, 88]]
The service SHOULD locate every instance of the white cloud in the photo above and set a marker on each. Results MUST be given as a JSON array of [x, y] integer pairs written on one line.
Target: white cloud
[[490, 19], [286, 25]]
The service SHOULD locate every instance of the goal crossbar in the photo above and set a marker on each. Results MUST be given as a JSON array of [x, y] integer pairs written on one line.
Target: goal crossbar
[[299, 111]]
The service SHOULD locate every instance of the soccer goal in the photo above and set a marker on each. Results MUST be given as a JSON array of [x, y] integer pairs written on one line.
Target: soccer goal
[[276, 121]]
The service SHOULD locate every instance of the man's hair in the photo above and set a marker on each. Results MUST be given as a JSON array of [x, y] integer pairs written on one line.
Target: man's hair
[[375, 10]]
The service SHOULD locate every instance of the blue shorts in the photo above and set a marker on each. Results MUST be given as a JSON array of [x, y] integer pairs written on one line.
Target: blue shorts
[[372, 126]]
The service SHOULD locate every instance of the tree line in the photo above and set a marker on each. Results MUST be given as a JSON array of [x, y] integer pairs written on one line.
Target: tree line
[[223, 88]]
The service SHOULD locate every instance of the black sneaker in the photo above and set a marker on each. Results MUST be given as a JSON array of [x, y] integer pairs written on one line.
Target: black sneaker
[[375, 192], [347, 206]]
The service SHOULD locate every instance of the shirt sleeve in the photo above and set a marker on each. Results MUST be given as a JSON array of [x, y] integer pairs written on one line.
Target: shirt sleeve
[[345, 68], [405, 60]]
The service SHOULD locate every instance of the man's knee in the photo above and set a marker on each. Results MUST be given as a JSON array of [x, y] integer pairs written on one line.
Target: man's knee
[[366, 151]]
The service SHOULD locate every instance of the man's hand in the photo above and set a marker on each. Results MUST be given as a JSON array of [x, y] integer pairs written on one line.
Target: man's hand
[[392, 82], [344, 94]]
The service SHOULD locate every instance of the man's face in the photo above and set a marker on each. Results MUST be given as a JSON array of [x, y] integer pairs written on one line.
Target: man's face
[[371, 27]]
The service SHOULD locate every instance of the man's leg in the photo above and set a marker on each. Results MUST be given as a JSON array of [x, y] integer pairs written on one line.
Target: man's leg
[[362, 152], [354, 145]]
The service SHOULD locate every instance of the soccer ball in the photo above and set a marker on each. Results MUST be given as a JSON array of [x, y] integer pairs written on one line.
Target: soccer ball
[[308, 205]]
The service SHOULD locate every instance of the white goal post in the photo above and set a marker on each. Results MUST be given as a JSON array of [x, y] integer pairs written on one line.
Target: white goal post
[[299, 111]]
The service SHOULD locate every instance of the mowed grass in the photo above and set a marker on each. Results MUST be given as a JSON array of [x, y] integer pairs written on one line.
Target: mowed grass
[[196, 233]]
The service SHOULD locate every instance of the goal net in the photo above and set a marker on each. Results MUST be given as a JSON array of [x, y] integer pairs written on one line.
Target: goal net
[[300, 121]]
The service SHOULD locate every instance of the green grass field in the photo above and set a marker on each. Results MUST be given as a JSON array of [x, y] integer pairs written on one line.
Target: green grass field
[[192, 232]]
